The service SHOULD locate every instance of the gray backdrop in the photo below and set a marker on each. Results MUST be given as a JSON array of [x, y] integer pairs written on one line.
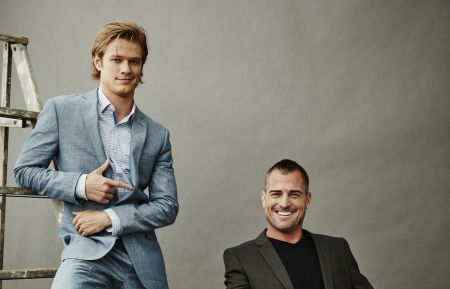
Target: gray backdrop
[[355, 90]]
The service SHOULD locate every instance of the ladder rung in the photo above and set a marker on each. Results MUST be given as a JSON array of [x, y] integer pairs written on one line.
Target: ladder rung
[[11, 122], [27, 273], [19, 192], [13, 39], [18, 114]]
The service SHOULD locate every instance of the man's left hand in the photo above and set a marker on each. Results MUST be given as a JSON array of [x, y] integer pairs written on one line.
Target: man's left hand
[[90, 222]]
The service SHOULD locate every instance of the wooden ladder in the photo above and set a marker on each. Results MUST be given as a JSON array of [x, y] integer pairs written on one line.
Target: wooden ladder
[[9, 117]]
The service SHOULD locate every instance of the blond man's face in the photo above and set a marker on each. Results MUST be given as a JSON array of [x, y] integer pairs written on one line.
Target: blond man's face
[[120, 68]]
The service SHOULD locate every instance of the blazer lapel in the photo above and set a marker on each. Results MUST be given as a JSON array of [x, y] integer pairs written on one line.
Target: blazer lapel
[[90, 117], [323, 251], [267, 251], [138, 137]]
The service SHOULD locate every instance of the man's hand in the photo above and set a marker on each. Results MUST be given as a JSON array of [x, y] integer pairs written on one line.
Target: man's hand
[[90, 222], [100, 189]]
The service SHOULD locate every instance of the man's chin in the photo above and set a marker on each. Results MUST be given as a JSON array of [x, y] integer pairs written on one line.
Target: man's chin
[[125, 91], [288, 230], [285, 229]]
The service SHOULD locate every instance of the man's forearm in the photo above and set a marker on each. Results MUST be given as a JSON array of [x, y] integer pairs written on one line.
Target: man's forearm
[[147, 216], [235, 277], [54, 184]]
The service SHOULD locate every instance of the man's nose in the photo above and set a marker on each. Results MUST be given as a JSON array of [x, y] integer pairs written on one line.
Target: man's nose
[[284, 201], [125, 67]]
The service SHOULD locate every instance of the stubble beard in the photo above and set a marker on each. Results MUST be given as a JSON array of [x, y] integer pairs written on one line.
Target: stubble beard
[[283, 228]]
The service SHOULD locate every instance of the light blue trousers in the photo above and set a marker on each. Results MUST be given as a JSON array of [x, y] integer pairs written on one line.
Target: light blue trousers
[[113, 271]]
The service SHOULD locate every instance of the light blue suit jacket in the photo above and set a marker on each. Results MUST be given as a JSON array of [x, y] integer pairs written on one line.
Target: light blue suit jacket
[[67, 128]]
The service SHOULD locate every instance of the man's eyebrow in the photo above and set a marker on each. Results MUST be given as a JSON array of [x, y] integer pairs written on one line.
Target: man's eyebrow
[[121, 56], [290, 191], [295, 191], [274, 191]]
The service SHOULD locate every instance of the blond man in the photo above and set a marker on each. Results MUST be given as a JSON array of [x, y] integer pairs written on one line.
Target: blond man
[[109, 153]]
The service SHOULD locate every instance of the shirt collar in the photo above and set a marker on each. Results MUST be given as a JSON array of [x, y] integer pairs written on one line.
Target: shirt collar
[[104, 102]]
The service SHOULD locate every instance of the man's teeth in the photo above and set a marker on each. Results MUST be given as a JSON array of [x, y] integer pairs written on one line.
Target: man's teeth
[[284, 213]]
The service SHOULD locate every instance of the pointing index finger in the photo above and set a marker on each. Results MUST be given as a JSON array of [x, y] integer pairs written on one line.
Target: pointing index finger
[[119, 184]]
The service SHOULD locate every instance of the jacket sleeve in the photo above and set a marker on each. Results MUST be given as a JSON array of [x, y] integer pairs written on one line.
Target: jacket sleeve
[[31, 169], [162, 206], [235, 276], [359, 281]]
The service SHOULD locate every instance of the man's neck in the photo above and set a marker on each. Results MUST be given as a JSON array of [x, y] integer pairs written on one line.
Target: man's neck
[[291, 237], [122, 105]]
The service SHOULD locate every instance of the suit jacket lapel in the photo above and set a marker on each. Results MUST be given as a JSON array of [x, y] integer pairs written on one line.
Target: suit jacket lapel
[[267, 251], [138, 137], [323, 251], [90, 117]]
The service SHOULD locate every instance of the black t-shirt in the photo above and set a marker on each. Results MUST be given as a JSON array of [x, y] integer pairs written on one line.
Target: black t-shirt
[[301, 262]]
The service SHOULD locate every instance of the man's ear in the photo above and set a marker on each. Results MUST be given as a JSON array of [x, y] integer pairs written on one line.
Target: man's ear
[[97, 62], [308, 200], [263, 198]]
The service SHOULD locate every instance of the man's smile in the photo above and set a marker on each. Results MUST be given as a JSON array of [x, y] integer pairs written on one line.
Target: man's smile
[[283, 213]]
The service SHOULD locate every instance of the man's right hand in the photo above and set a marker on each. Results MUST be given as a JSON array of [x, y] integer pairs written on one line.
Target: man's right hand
[[100, 189]]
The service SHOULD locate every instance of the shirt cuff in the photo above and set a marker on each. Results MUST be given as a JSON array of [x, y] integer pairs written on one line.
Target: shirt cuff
[[80, 190], [116, 227]]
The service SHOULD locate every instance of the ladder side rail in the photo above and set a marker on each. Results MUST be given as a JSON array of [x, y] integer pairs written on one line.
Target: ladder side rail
[[4, 137], [26, 77]]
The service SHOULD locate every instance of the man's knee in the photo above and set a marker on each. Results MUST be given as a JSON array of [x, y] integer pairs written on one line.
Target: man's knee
[[79, 274]]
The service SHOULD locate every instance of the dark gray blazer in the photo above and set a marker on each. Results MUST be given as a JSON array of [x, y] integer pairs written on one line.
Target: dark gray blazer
[[67, 129], [255, 264]]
